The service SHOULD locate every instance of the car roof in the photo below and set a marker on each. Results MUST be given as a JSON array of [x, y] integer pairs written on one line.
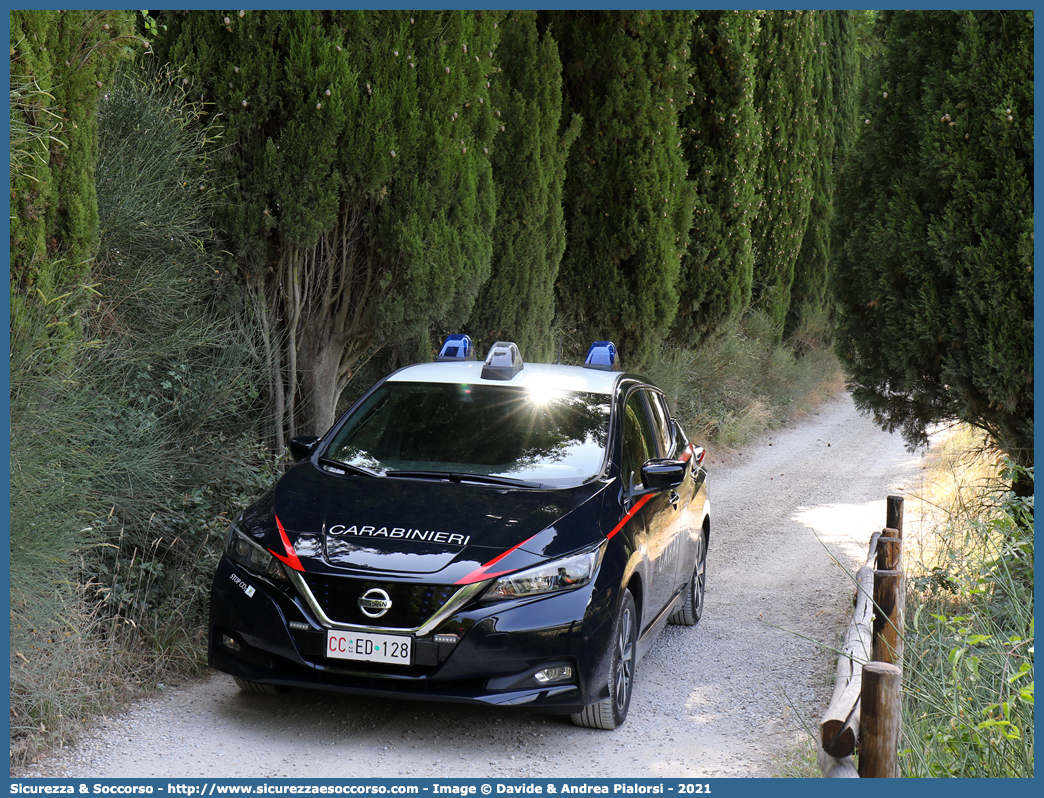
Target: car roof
[[546, 376]]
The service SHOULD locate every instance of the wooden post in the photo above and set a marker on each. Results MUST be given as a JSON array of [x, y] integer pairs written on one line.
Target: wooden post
[[888, 624], [894, 515], [889, 551], [879, 727]]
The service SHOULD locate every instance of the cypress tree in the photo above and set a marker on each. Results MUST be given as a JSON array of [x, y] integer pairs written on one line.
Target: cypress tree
[[628, 200], [784, 100], [935, 270], [60, 62], [834, 73], [360, 201], [722, 143], [529, 157]]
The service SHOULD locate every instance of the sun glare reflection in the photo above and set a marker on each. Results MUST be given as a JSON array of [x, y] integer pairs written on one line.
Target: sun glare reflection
[[543, 389]]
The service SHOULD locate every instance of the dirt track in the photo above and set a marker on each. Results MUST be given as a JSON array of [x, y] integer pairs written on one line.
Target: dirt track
[[725, 699]]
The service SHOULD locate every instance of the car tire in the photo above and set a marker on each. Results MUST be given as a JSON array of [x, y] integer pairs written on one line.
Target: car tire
[[611, 712], [692, 609], [257, 687]]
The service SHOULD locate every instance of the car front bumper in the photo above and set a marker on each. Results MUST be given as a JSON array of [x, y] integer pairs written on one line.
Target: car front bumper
[[261, 633]]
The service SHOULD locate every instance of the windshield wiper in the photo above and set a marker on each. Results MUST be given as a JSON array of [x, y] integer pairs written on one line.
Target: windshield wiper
[[453, 476], [338, 465]]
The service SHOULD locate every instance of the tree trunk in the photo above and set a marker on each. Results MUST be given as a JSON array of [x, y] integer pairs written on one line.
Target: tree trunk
[[266, 320], [326, 295], [319, 362]]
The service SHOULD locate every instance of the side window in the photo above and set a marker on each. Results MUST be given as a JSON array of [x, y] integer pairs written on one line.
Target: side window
[[662, 422], [639, 440]]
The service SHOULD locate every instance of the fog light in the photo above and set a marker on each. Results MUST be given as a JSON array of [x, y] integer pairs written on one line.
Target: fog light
[[228, 642], [559, 673], [447, 639]]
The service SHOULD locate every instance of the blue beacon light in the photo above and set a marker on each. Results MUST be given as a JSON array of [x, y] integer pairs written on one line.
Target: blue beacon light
[[456, 347], [602, 355]]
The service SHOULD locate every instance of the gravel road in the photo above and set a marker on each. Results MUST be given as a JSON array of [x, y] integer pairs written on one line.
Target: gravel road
[[728, 698]]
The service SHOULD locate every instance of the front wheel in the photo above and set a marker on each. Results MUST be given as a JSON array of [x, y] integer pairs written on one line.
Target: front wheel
[[690, 612], [611, 712]]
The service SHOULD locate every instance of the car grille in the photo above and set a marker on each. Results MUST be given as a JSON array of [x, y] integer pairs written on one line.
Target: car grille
[[411, 606]]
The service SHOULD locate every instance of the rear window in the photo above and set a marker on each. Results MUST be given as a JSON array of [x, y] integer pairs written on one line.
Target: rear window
[[554, 438]]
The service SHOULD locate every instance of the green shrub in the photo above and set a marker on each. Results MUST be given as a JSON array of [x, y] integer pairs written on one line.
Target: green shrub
[[128, 448], [151, 597], [968, 666]]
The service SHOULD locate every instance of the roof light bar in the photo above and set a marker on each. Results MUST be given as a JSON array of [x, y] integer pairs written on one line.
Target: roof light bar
[[503, 362], [455, 348], [602, 355]]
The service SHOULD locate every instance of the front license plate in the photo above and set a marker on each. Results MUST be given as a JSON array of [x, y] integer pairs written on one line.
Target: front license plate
[[366, 647]]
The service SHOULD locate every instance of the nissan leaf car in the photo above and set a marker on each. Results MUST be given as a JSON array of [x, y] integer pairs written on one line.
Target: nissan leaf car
[[494, 532]]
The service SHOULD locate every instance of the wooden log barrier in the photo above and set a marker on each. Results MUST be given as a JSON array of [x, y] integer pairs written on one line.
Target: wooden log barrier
[[888, 626], [866, 705], [879, 729], [839, 727], [833, 768]]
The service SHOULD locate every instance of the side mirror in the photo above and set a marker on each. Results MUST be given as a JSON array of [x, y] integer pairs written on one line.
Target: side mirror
[[698, 453], [301, 446], [663, 474]]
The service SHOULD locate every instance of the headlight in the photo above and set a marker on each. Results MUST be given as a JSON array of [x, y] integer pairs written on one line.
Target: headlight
[[244, 551], [553, 577]]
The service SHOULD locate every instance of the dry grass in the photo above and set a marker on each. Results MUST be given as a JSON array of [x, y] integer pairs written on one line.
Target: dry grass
[[959, 474], [745, 382]]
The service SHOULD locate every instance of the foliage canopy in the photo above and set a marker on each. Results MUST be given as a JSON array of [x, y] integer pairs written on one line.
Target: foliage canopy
[[935, 220], [358, 194], [517, 303], [628, 203]]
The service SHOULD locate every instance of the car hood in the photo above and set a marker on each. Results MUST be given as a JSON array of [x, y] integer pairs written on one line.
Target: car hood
[[318, 522]]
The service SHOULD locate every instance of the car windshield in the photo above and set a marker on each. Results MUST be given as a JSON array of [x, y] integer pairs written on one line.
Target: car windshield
[[557, 439]]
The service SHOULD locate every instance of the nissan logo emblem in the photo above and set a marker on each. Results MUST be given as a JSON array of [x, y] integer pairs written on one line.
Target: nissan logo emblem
[[374, 602]]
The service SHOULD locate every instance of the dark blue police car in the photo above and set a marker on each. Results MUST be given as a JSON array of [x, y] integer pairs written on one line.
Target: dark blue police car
[[495, 531]]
